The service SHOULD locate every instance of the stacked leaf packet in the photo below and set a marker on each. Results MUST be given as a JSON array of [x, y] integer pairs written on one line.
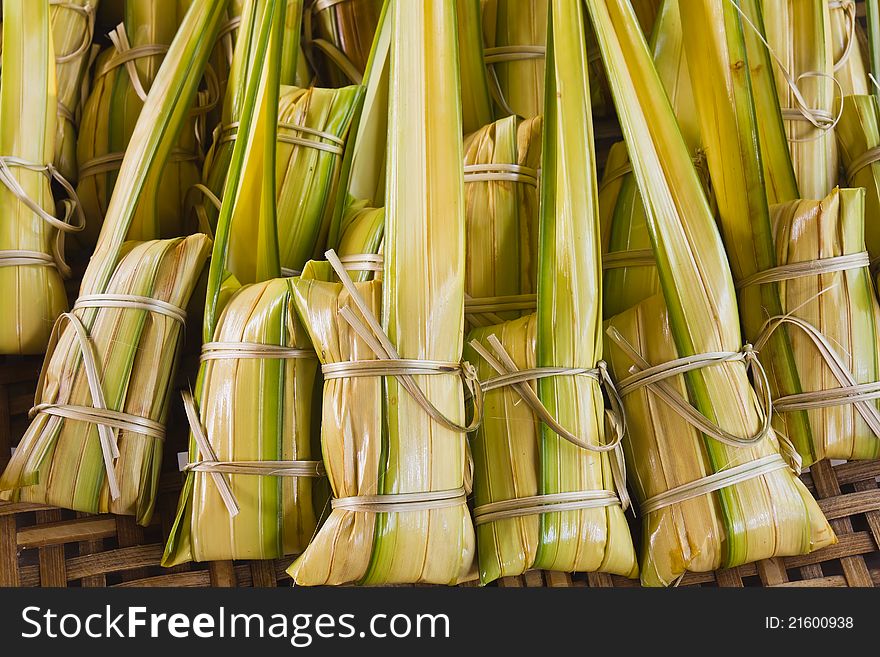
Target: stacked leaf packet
[[312, 130], [221, 61], [515, 35], [124, 73], [73, 30], [800, 35], [251, 488], [848, 43], [858, 136], [95, 442], [833, 318], [392, 430], [717, 486], [548, 477], [629, 272], [858, 126], [32, 226], [501, 162]]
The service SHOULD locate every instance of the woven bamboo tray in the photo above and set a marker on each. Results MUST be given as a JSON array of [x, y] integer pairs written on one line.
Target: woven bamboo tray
[[44, 546]]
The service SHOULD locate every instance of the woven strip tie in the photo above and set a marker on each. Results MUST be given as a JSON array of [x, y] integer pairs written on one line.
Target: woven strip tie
[[404, 369], [819, 118], [229, 27], [230, 133], [500, 173], [129, 55], [480, 305], [714, 482], [699, 160], [252, 350], [500, 54], [354, 369], [126, 56], [850, 391], [62, 225], [321, 5], [218, 469], [113, 161], [363, 262], [64, 112], [389, 362], [309, 143], [353, 262], [644, 375], [866, 159], [402, 502], [208, 194], [482, 311], [107, 421], [106, 433], [511, 376], [204, 225], [634, 258], [849, 11], [114, 419], [805, 401], [334, 54], [132, 302], [19, 258], [225, 39], [260, 468], [87, 11], [807, 268], [538, 504], [615, 174]]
